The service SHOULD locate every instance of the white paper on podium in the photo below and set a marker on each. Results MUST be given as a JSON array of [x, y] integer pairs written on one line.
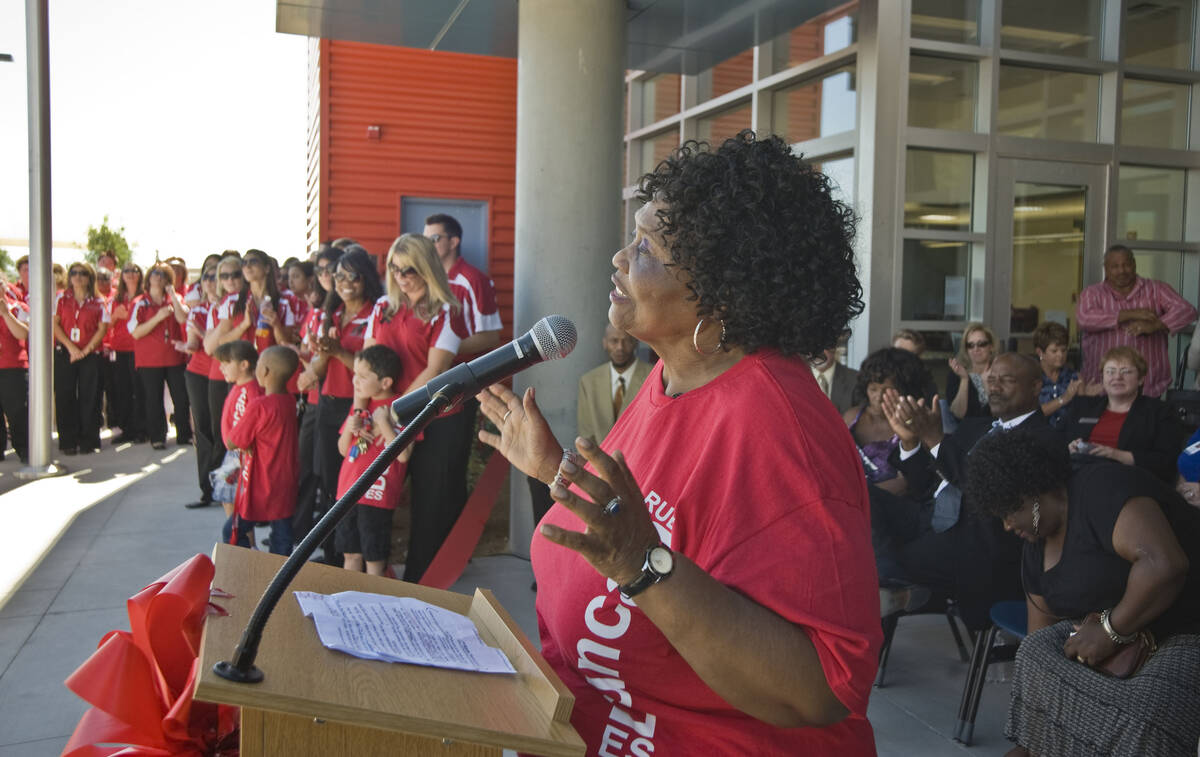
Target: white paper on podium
[[400, 629]]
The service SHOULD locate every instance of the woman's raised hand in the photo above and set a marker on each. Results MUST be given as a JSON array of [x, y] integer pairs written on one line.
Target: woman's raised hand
[[525, 438], [614, 540], [958, 368]]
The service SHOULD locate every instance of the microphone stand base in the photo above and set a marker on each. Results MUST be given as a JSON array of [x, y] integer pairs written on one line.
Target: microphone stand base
[[230, 672]]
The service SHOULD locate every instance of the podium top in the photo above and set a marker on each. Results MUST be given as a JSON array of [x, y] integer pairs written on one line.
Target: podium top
[[528, 712]]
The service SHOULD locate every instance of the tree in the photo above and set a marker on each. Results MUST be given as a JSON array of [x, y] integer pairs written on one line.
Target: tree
[[6, 262], [106, 239]]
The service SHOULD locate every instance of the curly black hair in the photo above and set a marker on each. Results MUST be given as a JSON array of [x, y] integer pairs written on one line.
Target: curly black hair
[[1006, 467], [765, 245], [906, 371]]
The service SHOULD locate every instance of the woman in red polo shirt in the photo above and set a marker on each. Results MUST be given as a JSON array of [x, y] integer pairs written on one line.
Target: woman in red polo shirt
[[196, 377], [127, 404], [14, 366], [80, 320], [157, 326], [229, 284], [347, 311], [422, 321]]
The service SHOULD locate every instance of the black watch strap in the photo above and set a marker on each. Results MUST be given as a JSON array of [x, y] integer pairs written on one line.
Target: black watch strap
[[649, 575]]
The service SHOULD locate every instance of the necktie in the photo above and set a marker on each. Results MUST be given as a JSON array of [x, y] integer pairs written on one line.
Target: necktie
[[618, 398], [823, 383]]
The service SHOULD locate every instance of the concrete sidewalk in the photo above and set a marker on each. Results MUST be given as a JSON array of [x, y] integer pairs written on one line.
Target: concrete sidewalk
[[131, 528]]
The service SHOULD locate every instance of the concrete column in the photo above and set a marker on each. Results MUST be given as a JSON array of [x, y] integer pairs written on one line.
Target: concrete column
[[41, 354], [570, 83]]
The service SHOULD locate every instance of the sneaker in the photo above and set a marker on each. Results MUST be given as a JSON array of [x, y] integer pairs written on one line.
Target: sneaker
[[903, 599], [158, 445], [199, 504]]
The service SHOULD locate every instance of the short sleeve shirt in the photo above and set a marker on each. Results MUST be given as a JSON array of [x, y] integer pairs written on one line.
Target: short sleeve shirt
[[339, 380], [156, 349], [80, 320], [411, 337], [12, 350]]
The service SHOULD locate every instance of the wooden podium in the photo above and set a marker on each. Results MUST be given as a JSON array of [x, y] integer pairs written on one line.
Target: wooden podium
[[315, 701]]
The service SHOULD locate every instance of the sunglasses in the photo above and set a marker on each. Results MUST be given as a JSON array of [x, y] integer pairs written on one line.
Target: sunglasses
[[435, 238], [405, 271], [250, 262], [321, 270], [130, 270], [230, 276], [978, 345], [209, 277], [349, 276], [77, 272]]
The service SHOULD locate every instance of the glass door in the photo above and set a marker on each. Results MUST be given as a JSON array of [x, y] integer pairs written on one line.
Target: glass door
[[1049, 243]]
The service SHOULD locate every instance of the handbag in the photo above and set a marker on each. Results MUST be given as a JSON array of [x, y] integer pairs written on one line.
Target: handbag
[[1183, 403], [1129, 658]]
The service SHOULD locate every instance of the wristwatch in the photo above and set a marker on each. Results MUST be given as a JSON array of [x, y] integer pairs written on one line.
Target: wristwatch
[[658, 566], [1106, 624]]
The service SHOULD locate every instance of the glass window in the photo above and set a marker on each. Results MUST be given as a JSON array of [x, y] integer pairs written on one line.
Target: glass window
[[1047, 254], [1048, 104], [841, 173], [1150, 203], [727, 76], [936, 277], [1159, 33], [938, 189], [815, 108], [1154, 114], [654, 150], [1062, 27], [831, 31], [946, 20], [716, 129], [660, 98], [941, 93]]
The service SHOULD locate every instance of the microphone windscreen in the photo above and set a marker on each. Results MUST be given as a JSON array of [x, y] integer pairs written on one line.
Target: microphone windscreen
[[554, 336]]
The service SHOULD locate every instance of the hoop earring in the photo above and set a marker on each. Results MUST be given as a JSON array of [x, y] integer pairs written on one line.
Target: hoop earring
[[696, 338], [1037, 515]]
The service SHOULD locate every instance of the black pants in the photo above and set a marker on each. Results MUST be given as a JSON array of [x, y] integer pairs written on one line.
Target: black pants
[[306, 496], [76, 400], [202, 430], [327, 461], [156, 414], [439, 486], [14, 404], [127, 403], [218, 390]]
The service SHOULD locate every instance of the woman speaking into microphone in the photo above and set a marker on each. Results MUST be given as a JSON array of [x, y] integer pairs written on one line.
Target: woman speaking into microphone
[[705, 579]]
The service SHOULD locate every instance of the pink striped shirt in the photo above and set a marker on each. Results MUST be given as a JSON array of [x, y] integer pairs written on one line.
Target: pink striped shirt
[[1097, 312]]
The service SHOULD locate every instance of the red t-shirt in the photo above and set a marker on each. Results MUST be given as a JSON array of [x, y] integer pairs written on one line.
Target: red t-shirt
[[12, 350], [269, 437], [200, 361], [477, 295], [1108, 429], [411, 337], [239, 398], [118, 336], [80, 320], [385, 492], [339, 380], [156, 349], [755, 478]]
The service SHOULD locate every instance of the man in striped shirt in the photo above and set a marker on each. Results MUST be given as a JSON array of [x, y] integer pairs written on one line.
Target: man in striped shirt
[[1126, 309]]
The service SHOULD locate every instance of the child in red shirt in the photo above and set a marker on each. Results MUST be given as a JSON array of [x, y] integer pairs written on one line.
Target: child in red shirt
[[366, 531], [268, 437], [237, 361]]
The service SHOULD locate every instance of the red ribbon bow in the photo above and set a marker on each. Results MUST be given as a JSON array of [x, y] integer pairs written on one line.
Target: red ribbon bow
[[139, 682]]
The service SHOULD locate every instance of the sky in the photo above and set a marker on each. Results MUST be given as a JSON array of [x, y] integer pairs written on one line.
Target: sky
[[183, 122]]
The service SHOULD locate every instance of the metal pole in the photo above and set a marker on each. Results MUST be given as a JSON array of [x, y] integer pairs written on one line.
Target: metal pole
[[41, 353]]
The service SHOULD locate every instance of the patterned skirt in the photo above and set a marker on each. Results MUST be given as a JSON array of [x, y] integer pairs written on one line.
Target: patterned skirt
[[1061, 707]]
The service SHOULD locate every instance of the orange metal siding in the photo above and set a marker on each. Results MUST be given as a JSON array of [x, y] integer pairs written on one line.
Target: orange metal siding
[[448, 126]]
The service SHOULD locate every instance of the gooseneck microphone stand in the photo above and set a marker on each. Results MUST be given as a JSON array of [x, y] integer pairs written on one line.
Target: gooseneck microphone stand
[[242, 668]]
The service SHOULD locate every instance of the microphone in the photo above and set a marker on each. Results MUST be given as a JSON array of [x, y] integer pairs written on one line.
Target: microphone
[[550, 338]]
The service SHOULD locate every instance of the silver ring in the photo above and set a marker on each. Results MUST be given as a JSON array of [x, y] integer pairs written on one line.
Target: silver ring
[[502, 420], [908, 422], [613, 507]]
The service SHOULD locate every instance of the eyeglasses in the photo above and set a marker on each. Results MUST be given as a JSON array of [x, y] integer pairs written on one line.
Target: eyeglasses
[[321, 270], [405, 271], [349, 276], [77, 272], [230, 276], [978, 345], [1122, 372]]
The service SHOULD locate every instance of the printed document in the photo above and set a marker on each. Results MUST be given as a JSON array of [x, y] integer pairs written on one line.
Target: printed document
[[400, 629]]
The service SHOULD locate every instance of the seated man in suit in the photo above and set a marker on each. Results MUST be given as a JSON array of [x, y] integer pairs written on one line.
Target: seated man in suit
[[958, 552], [605, 391], [835, 379]]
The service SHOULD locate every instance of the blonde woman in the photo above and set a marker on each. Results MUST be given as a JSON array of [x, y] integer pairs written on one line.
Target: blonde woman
[[965, 386], [421, 319], [81, 319]]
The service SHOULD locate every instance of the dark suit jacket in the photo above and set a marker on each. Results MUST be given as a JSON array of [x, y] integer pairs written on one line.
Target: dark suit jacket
[[1150, 432]]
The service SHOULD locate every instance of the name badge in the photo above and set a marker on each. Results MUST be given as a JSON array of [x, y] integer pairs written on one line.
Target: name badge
[[75, 334], [1089, 421]]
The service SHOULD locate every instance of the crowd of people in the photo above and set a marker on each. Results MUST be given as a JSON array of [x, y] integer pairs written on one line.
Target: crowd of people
[[277, 374]]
